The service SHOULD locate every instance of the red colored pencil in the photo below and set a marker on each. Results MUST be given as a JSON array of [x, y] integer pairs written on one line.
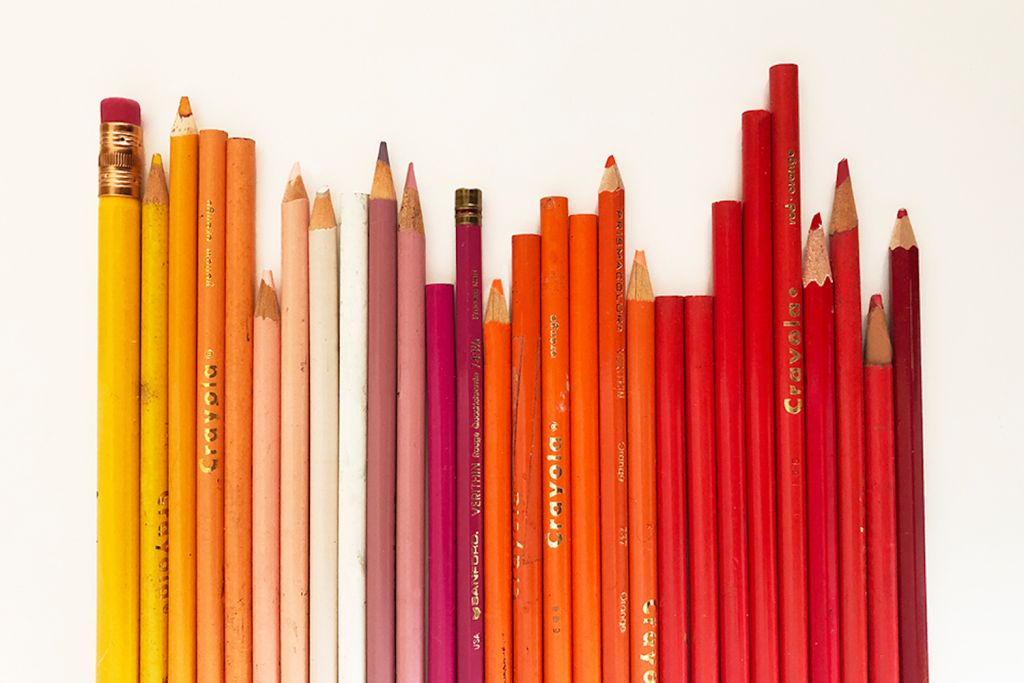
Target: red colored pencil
[[906, 369], [699, 360], [672, 576], [844, 250], [883, 595], [822, 523], [760, 420], [727, 249], [789, 365]]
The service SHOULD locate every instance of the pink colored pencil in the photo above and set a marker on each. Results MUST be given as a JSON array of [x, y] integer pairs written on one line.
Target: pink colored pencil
[[266, 463], [440, 304], [410, 527], [381, 386], [469, 527]]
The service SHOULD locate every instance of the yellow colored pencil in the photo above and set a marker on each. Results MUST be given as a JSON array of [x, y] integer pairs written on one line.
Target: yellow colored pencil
[[154, 561]]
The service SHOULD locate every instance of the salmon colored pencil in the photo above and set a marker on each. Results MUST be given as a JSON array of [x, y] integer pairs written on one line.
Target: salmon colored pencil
[[554, 367], [294, 518], [699, 357], [211, 425], [266, 464], [527, 477], [844, 250], [611, 303], [822, 518], [181, 396], [410, 551], [585, 428], [727, 245], [497, 487], [672, 561], [789, 368], [241, 263], [759, 383], [643, 475], [883, 594]]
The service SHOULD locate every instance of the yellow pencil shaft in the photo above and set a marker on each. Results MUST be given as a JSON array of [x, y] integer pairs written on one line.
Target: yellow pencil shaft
[[154, 559], [117, 496]]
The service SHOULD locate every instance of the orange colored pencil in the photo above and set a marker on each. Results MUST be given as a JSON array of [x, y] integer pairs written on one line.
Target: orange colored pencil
[[586, 483], [497, 487], [611, 292], [527, 503], [643, 476], [554, 366], [241, 263], [210, 425]]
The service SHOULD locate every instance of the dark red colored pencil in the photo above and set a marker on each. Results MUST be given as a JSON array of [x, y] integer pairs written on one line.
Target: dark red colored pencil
[[844, 250], [789, 365], [699, 357], [906, 368], [760, 420], [672, 579], [883, 595], [822, 522]]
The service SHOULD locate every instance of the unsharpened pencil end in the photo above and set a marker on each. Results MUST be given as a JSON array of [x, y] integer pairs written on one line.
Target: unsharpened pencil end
[[156, 183], [295, 189], [816, 265], [611, 181], [878, 344], [266, 298], [640, 288], [323, 211], [497, 307], [902, 232]]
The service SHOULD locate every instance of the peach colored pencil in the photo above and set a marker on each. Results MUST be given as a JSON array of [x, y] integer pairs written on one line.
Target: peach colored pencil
[[266, 463]]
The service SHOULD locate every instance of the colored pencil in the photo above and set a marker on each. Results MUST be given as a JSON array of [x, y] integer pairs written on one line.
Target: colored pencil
[[883, 593], [295, 430], [905, 292], [527, 475], [381, 386], [238, 362], [117, 408], [352, 352], [699, 360], [153, 449], [822, 512], [585, 429], [181, 396], [211, 425], [844, 252], [469, 528], [440, 317], [789, 369], [497, 487], [643, 475], [759, 385], [410, 551], [727, 248], [323, 439], [674, 630], [266, 491], [611, 293], [554, 368]]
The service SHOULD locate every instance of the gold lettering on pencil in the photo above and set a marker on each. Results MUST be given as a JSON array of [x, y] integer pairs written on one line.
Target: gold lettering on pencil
[[792, 404], [211, 420], [474, 593], [208, 211], [556, 494], [623, 610], [620, 462], [620, 271], [649, 639], [553, 336], [791, 186]]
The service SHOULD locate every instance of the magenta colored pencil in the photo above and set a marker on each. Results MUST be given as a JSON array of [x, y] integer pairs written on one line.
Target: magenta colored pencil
[[381, 379], [440, 305], [469, 475]]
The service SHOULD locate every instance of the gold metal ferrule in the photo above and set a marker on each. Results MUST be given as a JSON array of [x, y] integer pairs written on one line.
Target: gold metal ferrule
[[469, 206], [120, 160]]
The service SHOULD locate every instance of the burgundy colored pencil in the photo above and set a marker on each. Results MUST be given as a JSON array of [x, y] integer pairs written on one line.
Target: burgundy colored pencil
[[822, 522], [671, 441], [440, 332], [883, 594], [469, 467], [381, 386], [844, 250], [906, 368], [727, 249], [760, 418], [787, 293], [699, 357]]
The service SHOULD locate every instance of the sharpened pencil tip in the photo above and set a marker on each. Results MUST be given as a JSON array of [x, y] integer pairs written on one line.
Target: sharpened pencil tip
[[610, 162], [382, 153], [184, 106], [902, 232], [816, 222], [877, 342], [497, 286], [322, 216], [295, 172], [842, 172], [876, 301], [902, 213], [410, 178]]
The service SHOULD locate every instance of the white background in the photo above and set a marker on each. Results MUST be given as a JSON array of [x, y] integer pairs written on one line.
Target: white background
[[523, 101]]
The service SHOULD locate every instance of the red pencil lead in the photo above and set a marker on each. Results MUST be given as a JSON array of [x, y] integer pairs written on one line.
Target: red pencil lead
[[876, 301], [816, 222], [610, 162], [901, 213], [842, 172]]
